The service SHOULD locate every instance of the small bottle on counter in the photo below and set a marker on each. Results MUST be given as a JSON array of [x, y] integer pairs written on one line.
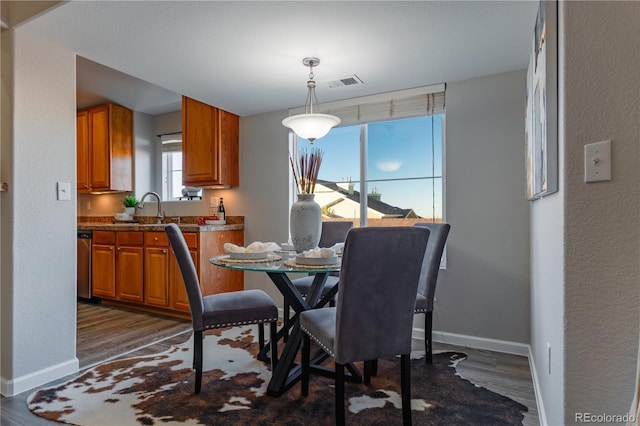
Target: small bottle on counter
[[221, 212]]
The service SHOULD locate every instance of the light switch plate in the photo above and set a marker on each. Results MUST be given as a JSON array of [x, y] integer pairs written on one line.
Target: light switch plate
[[64, 191], [597, 161]]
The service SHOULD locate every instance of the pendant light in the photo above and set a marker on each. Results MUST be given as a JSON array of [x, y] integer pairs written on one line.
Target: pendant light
[[311, 125]]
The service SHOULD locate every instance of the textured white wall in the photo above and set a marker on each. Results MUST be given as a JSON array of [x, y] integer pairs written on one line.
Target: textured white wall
[[41, 340], [263, 197], [144, 157], [6, 205], [485, 290], [602, 253]]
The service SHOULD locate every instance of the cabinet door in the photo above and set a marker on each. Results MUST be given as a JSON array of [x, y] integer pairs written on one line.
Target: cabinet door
[[103, 272], [200, 161], [99, 165], [214, 279], [120, 148], [156, 276], [229, 148], [82, 151], [179, 298], [129, 278]]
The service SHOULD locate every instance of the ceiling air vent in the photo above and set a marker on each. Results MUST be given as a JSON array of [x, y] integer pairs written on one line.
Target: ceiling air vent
[[345, 81]]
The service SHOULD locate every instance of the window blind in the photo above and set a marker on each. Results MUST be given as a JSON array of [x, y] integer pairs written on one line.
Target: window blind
[[171, 142], [429, 100]]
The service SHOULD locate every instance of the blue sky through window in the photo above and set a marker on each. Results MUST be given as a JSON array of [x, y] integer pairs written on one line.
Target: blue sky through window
[[404, 161]]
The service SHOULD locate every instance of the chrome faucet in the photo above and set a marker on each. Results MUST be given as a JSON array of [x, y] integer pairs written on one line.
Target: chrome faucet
[[160, 215]]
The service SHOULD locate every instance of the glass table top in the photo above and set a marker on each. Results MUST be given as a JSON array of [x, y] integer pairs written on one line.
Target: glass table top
[[277, 262]]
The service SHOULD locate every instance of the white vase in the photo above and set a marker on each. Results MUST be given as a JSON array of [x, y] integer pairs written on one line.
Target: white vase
[[131, 211], [305, 223]]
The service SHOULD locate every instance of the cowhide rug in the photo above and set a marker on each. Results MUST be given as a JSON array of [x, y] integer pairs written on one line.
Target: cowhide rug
[[159, 390]]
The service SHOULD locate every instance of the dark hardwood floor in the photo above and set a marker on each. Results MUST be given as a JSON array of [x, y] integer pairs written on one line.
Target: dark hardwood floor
[[505, 374]]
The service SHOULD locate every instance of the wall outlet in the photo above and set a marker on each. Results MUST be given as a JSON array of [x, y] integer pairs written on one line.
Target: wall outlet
[[88, 205], [549, 357]]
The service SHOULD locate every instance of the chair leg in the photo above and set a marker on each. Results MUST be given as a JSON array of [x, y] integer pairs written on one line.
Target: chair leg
[[261, 336], [197, 358], [306, 355], [428, 338], [368, 367], [405, 388], [273, 336], [286, 318], [340, 415]]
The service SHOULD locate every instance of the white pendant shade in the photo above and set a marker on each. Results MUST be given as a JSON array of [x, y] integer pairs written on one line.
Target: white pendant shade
[[311, 126]]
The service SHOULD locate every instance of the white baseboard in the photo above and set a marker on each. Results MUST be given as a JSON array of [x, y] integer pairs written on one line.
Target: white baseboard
[[542, 415], [29, 381], [475, 342]]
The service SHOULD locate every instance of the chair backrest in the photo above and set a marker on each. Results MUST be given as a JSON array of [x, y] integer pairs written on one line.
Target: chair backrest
[[432, 257], [189, 274], [378, 287], [334, 232]]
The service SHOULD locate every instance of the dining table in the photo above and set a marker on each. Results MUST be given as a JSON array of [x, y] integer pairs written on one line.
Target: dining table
[[278, 266]]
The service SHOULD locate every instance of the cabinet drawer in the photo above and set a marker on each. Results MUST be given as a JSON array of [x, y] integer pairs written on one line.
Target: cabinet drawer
[[104, 237], [158, 239], [129, 238]]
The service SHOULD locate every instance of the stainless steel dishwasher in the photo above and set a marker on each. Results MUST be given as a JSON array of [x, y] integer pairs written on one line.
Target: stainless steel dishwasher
[[84, 265]]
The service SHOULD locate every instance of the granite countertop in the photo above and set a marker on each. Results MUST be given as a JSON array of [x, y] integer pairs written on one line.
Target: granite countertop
[[186, 225]]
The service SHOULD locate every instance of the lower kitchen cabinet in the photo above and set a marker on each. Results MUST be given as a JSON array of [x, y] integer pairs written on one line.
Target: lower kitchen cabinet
[[179, 298], [129, 266], [103, 259], [140, 268]]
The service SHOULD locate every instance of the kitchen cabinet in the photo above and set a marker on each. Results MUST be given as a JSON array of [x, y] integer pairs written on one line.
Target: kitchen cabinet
[[214, 279], [104, 149], [179, 298], [82, 150], [156, 269], [210, 145], [138, 269], [103, 259], [129, 266]]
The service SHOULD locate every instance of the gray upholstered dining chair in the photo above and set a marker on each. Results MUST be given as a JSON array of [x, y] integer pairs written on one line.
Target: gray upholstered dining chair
[[429, 279], [383, 263], [333, 232], [223, 309]]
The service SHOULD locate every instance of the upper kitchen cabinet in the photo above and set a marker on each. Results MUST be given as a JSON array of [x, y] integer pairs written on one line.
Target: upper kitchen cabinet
[[210, 145], [105, 149]]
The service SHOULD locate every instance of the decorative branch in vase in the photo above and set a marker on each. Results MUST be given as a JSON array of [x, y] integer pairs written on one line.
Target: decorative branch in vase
[[305, 170], [305, 220]]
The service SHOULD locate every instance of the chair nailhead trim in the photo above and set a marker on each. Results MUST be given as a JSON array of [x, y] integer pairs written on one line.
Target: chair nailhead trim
[[322, 345], [421, 311], [230, 324]]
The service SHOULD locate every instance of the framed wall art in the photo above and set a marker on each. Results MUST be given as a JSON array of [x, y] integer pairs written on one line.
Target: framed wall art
[[541, 104]]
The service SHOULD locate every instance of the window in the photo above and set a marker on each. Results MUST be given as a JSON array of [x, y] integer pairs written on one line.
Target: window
[[384, 172], [171, 166]]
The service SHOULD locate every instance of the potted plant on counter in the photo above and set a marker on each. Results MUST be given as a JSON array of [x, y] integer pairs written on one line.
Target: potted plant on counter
[[130, 202]]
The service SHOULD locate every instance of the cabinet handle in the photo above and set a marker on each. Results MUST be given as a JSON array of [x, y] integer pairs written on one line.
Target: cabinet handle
[[110, 248], [164, 251], [119, 248], [155, 238]]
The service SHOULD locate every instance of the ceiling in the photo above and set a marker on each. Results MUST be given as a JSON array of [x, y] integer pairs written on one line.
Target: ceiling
[[246, 56]]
